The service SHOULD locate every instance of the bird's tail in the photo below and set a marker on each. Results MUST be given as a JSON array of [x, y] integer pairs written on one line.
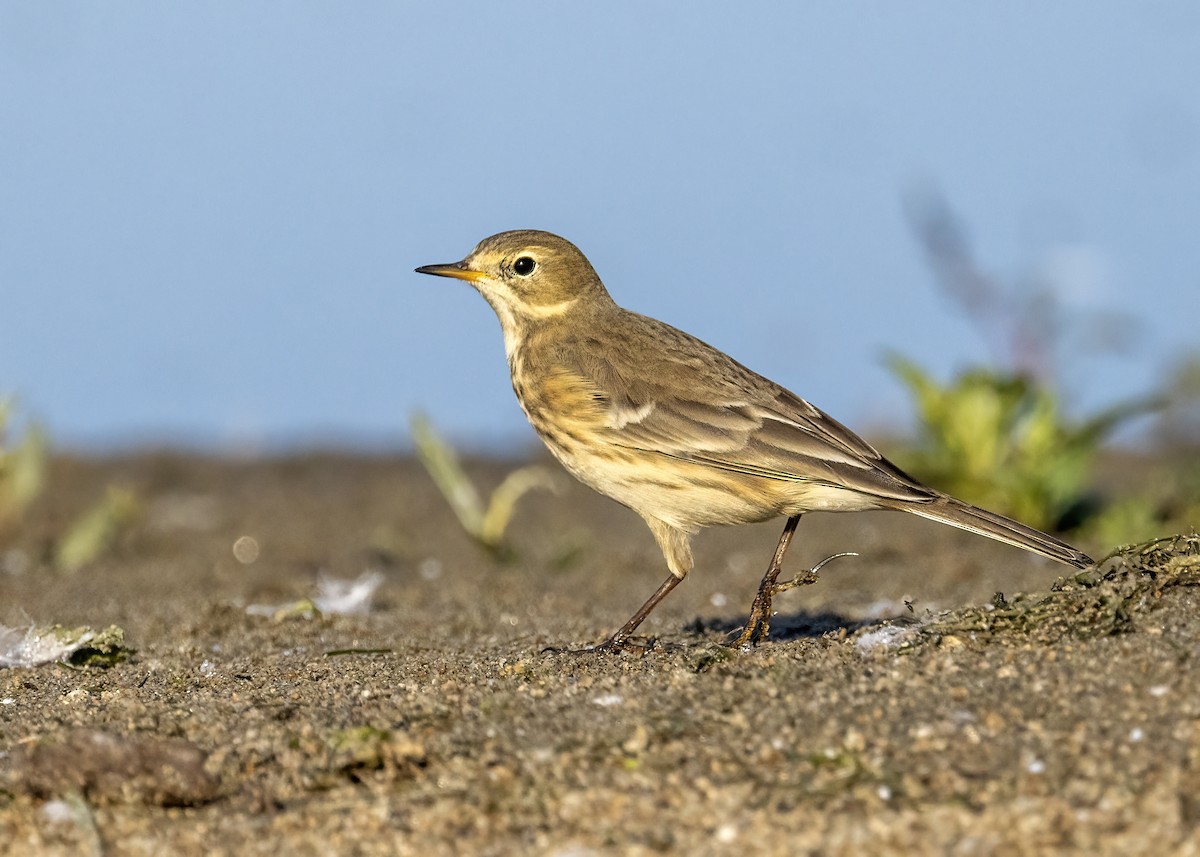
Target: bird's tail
[[1002, 529]]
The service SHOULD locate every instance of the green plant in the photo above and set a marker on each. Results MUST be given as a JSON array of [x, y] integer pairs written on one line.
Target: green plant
[[1002, 441], [22, 465], [23, 470], [97, 530], [1000, 437], [485, 523]]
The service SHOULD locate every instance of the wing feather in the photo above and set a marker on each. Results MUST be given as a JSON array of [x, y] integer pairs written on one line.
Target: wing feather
[[695, 404]]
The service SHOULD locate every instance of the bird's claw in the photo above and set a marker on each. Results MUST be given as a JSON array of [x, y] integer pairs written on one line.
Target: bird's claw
[[809, 576]]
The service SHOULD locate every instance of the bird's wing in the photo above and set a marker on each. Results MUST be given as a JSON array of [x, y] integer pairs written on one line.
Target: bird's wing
[[696, 404], [789, 440]]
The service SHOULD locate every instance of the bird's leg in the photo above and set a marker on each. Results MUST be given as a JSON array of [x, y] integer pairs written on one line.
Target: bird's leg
[[619, 641], [758, 626]]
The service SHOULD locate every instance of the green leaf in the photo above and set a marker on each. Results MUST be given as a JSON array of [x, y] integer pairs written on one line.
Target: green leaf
[[999, 441], [97, 530], [486, 524]]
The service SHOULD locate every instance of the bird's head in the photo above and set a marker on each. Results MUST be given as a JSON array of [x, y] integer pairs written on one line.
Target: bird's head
[[528, 275]]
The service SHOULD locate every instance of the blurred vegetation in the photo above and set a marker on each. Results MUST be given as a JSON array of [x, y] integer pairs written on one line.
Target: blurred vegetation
[[486, 523], [1177, 479], [1000, 436], [96, 532], [24, 475], [23, 452], [1003, 442]]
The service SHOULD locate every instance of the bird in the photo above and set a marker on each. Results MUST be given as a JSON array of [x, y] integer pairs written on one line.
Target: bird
[[680, 432]]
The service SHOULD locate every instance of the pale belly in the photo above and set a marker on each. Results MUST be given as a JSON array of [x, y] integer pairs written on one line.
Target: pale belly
[[690, 495]]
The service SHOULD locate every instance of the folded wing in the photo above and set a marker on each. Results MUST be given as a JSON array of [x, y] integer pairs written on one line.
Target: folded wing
[[696, 404]]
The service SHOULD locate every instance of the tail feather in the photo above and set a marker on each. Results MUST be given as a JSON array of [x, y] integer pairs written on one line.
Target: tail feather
[[947, 510]]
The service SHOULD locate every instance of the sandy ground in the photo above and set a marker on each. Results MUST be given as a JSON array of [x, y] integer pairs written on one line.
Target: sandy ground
[[1064, 722]]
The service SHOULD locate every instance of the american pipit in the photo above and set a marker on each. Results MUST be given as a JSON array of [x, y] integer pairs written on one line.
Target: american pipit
[[676, 430]]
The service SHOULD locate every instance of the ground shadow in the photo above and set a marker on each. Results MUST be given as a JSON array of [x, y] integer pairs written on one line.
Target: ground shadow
[[802, 625]]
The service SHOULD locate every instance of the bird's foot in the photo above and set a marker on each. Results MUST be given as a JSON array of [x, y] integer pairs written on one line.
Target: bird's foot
[[758, 626]]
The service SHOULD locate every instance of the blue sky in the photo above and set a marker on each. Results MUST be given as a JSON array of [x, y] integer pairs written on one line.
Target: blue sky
[[211, 212]]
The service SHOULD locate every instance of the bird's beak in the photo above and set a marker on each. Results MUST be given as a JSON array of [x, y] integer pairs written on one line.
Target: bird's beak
[[457, 270]]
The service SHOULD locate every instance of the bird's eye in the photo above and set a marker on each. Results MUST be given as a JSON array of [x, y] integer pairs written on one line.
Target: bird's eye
[[524, 266]]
